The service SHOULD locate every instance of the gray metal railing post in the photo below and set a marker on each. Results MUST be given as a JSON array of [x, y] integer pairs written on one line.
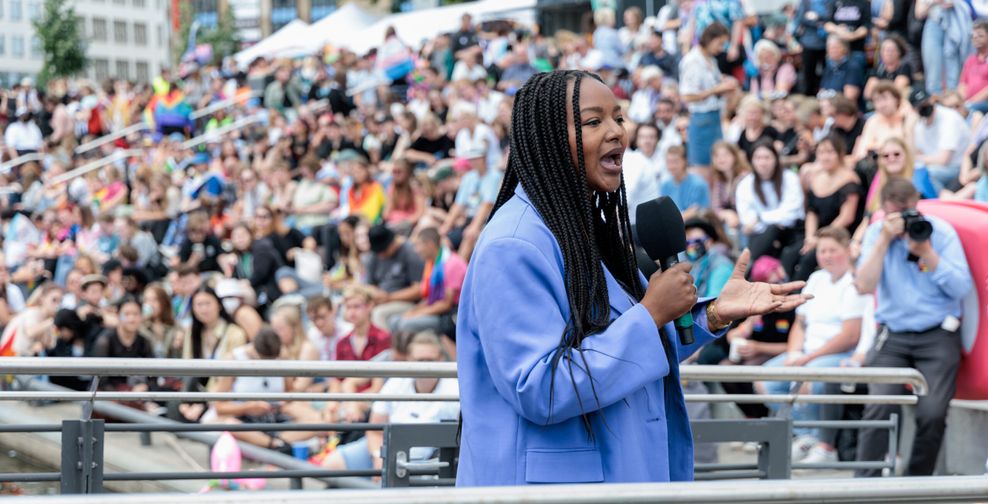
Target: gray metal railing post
[[774, 458], [399, 439], [893, 441], [82, 456]]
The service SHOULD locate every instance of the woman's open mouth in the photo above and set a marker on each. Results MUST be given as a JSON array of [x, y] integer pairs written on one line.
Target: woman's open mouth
[[611, 160]]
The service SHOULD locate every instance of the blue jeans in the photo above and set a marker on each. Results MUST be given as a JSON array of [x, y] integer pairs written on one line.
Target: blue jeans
[[942, 59], [803, 411], [703, 132]]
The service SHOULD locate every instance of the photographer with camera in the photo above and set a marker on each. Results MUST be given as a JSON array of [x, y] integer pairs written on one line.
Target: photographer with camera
[[918, 267]]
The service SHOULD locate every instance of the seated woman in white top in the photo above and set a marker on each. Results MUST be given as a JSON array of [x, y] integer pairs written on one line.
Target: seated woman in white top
[[770, 206], [827, 327], [266, 345]]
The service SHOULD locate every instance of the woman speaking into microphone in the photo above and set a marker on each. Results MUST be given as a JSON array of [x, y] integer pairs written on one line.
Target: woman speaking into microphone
[[568, 359]]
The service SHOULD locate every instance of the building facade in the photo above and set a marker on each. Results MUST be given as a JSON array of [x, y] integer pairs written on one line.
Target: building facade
[[124, 38], [256, 19]]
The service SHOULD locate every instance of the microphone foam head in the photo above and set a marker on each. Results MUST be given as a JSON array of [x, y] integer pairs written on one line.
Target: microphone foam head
[[660, 228]]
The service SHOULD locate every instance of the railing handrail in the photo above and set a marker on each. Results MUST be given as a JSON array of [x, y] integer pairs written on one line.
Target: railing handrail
[[94, 165], [139, 126], [225, 104], [239, 124], [333, 396], [109, 137], [19, 160], [95, 366], [907, 489]]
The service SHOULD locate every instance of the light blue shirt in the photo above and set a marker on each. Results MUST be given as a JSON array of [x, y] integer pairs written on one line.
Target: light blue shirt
[[693, 191], [910, 300], [476, 189]]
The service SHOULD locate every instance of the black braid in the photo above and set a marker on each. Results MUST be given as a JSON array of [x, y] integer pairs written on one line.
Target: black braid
[[592, 228]]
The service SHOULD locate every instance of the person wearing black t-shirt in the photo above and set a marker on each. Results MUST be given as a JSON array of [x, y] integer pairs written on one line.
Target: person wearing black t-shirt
[[756, 130], [430, 143], [892, 66], [125, 341], [850, 20], [847, 123]]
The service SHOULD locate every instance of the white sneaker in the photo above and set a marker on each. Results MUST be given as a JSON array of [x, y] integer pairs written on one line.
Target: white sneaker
[[751, 447], [801, 447], [820, 455]]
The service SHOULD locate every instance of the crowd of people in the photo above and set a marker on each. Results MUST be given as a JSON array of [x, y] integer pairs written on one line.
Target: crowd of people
[[330, 212]]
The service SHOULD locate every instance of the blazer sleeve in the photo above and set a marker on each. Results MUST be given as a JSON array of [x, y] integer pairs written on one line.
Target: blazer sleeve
[[518, 303]]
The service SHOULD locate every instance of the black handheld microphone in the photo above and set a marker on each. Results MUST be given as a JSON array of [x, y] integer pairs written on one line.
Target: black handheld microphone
[[662, 235]]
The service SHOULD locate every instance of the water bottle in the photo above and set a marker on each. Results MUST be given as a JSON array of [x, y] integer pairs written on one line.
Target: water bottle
[[849, 387]]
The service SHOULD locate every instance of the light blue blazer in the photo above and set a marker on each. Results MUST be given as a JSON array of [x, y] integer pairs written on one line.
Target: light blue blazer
[[513, 309]]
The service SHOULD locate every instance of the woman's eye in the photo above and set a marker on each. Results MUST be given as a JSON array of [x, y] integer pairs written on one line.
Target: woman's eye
[[620, 120], [592, 122]]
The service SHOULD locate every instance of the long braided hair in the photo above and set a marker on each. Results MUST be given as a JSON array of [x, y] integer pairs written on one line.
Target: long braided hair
[[591, 227]]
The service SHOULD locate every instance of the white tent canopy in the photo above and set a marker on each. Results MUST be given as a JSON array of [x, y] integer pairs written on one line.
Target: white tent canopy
[[288, 41], [341, 26], [416, 26]]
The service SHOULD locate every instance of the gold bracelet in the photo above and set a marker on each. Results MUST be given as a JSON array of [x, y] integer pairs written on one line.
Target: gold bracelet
[[714, 323]]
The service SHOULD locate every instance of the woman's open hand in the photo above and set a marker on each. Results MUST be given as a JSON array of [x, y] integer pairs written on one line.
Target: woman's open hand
[[740, 298]]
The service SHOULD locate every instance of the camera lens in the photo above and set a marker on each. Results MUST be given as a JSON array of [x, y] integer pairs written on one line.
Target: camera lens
[[920, 230]]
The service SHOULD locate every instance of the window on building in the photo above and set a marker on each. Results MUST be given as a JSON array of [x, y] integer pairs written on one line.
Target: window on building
[[141, 34], [321, 9], [35, 47], [33, 9], [16, 12], [123, 69], [161, 36], [120, 2], [206, 12], [1, 9], [101, 69], [282, 13], [143, 72], [140, 4], [99, 29], [3, 44], [17, 46], [120, 32]]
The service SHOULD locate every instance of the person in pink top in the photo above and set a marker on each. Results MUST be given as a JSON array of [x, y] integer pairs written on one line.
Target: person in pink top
[[442, 280], [974, 76]]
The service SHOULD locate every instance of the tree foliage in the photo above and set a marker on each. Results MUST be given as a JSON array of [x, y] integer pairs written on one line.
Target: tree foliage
[[223, 37], [62, 46]]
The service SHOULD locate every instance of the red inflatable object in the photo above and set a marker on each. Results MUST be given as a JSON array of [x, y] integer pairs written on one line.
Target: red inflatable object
[[970, 219]]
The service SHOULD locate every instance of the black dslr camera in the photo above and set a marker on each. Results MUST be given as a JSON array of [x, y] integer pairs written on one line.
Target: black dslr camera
[[917, 227]]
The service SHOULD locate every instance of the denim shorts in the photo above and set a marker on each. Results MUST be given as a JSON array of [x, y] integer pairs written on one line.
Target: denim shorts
[[703, 132], [355, 455]]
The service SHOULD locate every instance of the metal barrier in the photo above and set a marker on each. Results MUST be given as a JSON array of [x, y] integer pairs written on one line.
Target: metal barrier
[[95, 165], [19, 160], [111, 137], [940, 489], [773, 434]]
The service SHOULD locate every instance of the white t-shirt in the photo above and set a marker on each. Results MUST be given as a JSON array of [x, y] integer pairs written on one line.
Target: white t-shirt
[[418, 411], [784, 212], [948, 131], [23, 136], [641, 179], [481, 137], [832, 304]]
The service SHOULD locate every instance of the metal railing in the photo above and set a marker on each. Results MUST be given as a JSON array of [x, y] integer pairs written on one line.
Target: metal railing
[[143, 126], [95, 165], [773, 434], [111, 137], [19, 160], [940, 489], [339, 369]]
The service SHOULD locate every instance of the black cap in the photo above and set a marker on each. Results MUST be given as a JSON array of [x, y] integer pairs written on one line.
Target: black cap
[[380, 237], [111, 265], [697, 222]]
